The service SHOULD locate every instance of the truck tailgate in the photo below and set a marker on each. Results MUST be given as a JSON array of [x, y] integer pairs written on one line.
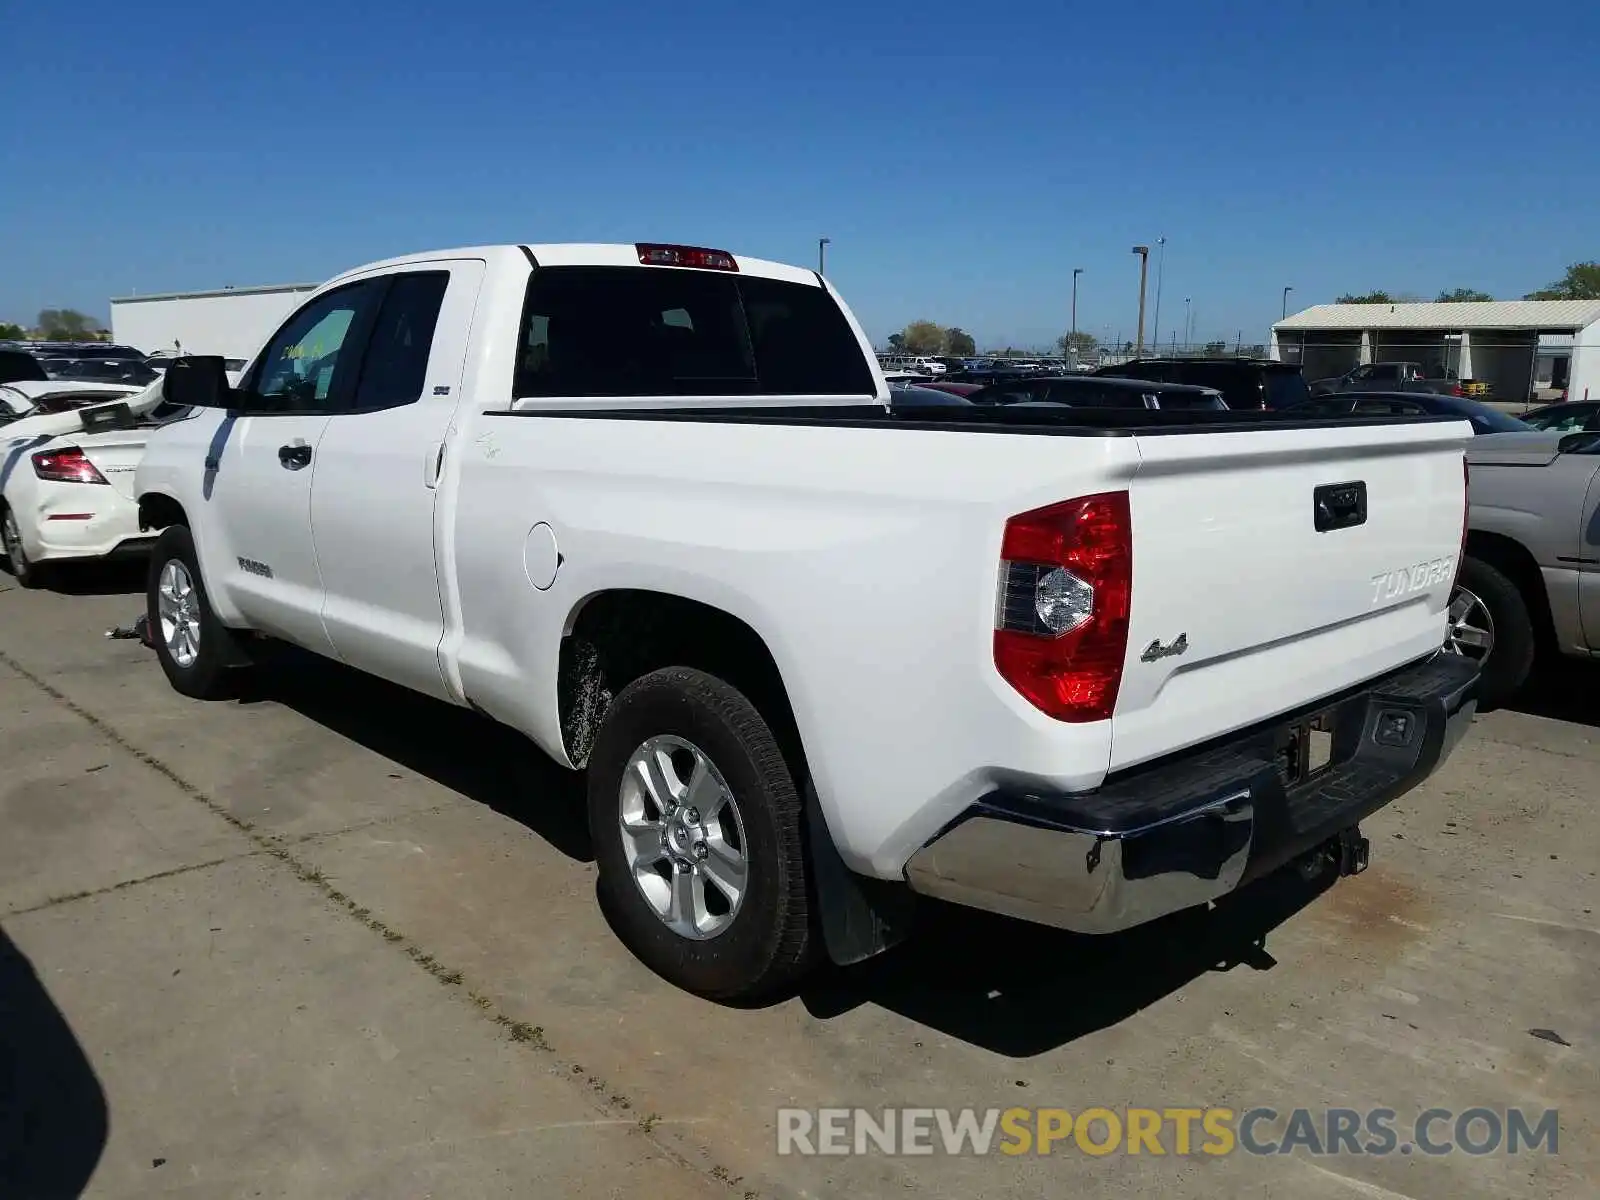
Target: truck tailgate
[[1243, 609]]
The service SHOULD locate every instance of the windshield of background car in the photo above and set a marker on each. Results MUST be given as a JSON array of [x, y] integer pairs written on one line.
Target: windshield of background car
[[60, 402], [1485, 419], [13, 404], [1563, 418]]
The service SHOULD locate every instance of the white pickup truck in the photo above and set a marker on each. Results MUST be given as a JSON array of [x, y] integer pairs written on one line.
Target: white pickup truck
[[650, 505]]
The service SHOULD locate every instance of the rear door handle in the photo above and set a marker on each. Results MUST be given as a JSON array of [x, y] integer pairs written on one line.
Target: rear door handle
[[295, 455], [432, 465], [1339, 505]]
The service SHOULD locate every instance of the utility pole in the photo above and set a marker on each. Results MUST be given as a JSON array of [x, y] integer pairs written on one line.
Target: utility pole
[[1161, 270], [822, 256], [1072, 341], [1144, 270], [1285, 311], [1188, 328]]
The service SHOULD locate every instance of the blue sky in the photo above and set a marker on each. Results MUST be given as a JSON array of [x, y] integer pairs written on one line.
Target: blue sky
[[963, 158]]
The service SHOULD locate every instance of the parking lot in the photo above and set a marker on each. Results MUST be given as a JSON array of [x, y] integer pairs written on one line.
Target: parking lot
[[337, 940]]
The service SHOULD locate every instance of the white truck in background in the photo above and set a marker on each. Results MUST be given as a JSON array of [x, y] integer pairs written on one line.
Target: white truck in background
[[649, 505]]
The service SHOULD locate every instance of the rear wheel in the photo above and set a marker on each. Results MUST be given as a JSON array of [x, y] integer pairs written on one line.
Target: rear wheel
[[193, 646], [27, 574], [696, 828], [1490, 623]]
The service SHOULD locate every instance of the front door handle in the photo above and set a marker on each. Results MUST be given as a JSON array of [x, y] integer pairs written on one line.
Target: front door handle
[[295, 455]]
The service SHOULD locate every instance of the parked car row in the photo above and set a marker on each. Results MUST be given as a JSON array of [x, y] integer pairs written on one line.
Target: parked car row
[[84, 362]]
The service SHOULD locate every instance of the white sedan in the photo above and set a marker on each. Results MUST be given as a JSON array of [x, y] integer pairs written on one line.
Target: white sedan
[[66, 488]]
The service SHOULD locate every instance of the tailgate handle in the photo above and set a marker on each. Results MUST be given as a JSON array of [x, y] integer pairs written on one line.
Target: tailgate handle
[[1340, 505]]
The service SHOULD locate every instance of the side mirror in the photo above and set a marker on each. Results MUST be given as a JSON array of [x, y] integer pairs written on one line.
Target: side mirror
[[197, 381]]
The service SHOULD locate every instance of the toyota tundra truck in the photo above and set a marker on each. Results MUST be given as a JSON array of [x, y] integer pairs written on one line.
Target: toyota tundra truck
[[651, 506]]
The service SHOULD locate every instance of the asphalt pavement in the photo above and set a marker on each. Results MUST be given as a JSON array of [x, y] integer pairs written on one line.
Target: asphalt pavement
[[335, 940]]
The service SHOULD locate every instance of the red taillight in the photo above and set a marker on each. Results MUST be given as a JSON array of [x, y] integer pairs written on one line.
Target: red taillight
[[653, 254], [68, 465], [1458, 390], [1066, 587]]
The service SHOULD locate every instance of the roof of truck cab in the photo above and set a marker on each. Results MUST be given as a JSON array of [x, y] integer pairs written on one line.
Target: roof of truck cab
[[579, 254]]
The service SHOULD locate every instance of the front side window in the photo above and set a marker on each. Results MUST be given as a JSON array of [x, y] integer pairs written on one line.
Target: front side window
[[308, 365], [646, 331]]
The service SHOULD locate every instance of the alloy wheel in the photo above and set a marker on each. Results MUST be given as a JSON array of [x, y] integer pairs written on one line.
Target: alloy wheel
[[683, 837], [1470, 632], [178, 609]]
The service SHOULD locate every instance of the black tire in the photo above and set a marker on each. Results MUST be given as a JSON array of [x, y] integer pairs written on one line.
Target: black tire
[[210, 675], [1511, 657], [768, 944], [28, 574]]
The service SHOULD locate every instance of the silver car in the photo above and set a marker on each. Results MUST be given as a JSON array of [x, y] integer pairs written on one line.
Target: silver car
[[1531, 575]]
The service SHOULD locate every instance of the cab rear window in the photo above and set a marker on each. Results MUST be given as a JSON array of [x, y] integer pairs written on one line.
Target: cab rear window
[[648, 331]]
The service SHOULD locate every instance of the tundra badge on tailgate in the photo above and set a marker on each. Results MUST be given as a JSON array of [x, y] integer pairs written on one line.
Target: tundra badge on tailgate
[[1391, 585]]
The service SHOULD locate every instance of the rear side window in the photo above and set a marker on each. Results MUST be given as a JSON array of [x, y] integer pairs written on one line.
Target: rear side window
[[1238, 385], [1397, 408], [632, 331], [1284, 388], [1175, 400], [1323, 408], [1092, 396], [396, 362]]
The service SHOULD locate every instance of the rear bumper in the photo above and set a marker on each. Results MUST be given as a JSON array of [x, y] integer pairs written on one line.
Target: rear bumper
[[1192, 828], [110, 529]]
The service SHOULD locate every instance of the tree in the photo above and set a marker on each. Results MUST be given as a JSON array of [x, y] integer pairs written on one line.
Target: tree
[[1080, 342], [1457, 295], [1379, 297], [10, 332], [897, 342], [1581, 282], [959, 342], [65, 325], [922, 337]]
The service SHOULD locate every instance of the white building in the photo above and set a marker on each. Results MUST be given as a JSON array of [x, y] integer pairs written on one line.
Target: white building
[[1523, 349], [233, 322]]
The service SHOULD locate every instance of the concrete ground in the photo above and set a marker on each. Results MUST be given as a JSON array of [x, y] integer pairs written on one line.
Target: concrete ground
[[334, 940]]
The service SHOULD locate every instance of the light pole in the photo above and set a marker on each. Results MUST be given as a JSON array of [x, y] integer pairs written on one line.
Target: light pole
[[1188, 335], [1144, 269], [1285, 311], [1161, 267], [822, 255], [1072, 341]]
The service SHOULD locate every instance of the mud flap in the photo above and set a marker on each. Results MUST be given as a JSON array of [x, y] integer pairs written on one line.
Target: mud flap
[[860, 917]]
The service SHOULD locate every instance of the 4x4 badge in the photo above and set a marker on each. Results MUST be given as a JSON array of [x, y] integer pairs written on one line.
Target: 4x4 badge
[[1155, 650]]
